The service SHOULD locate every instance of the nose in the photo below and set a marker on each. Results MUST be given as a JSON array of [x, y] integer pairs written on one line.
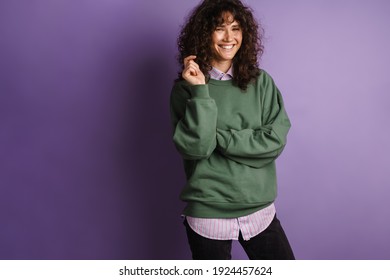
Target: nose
[[228, 35]]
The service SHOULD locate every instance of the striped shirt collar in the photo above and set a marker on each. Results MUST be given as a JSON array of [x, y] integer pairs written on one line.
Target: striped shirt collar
[[215, 74]]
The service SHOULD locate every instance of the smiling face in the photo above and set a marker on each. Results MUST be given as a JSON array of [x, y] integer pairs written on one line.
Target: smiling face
[[226, 41]]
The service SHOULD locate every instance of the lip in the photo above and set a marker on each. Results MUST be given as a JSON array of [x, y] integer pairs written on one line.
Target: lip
[[227, 46]]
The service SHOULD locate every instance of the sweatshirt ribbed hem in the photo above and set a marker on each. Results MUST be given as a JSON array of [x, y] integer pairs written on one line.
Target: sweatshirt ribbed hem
[[221, 210]]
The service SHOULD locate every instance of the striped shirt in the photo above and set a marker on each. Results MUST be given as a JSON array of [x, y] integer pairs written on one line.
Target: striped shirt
[[229, 229]]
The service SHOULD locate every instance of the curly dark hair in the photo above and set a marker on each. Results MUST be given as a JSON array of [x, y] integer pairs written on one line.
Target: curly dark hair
[[196, 38]]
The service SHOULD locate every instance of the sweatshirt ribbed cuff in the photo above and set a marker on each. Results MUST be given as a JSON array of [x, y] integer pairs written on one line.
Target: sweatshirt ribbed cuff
[[200, 91]]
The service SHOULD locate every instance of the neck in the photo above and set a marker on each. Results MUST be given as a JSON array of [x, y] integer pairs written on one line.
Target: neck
[[223, 66]]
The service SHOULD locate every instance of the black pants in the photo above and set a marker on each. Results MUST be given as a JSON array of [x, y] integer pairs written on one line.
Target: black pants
[[271, 244]]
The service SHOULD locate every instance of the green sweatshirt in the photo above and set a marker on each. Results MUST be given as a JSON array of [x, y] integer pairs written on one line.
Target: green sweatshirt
[[229, 140]]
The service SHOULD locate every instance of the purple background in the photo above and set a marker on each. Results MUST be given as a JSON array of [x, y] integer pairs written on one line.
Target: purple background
[[88, 169]]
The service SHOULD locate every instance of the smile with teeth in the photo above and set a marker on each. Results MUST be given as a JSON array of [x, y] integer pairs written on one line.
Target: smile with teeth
[[227, 47]]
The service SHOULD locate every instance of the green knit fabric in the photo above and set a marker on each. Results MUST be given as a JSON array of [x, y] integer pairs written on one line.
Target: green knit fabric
[[229, 140]]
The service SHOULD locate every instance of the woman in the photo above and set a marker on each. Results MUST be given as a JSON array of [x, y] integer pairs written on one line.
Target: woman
[[229, 126]]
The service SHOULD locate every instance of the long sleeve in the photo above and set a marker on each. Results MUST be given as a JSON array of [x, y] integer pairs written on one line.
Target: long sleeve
[[262, 145], [194, 119]]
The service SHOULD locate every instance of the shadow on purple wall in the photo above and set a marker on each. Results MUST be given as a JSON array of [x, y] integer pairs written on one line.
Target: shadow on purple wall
[[157, 172]]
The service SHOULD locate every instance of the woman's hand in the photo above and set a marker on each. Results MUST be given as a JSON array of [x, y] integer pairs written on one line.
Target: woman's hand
[[191, 72]]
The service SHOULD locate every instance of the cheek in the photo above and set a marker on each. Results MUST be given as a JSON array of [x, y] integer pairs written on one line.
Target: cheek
[[240, 40], [215, 37], [213, 42], [239, 37]]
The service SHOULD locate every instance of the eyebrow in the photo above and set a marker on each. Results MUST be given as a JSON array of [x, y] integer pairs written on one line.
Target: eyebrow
[[234, 23]]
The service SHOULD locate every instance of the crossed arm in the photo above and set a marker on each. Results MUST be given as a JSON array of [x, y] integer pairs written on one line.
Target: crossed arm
[[196, 136]]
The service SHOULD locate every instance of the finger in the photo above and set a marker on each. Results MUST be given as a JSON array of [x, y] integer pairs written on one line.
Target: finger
[[193, 64], [191, 71], [195, 69], [189, 58]]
